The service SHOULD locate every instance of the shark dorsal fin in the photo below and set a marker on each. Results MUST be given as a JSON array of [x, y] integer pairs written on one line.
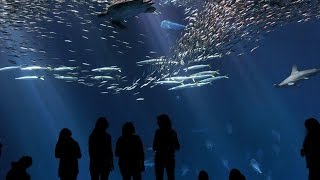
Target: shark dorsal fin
[[294, 69]]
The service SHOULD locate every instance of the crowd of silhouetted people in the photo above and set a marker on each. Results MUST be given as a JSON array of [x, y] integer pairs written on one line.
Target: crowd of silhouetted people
[[129, 149]]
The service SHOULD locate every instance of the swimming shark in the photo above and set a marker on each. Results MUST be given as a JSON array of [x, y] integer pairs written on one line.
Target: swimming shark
[[297, 75], [127, 9]]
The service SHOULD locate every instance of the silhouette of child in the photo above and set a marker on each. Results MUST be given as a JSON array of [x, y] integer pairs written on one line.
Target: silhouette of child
[[18, 169]]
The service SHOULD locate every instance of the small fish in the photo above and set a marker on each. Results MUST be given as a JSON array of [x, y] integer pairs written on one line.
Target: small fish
[[84, 37], [30, 77], [254, 48], [9, 68], [196, 67], [67, 78], [31, 68], [112, 68], [255, 165], [64, 68], [102, 77]]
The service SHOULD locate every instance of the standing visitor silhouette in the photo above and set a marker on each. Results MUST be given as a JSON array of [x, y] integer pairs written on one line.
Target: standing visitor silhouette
[[68, 151], [100, 151], [311, 148], [129, 149], [165, 144]]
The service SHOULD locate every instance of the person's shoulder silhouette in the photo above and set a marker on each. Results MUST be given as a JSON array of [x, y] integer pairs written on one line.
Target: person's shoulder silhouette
[[203, 175], [100, 146], [129, 144], [66, 146], [100, 150], [235, 174], [68, 151], [18, 169], [311, 148]]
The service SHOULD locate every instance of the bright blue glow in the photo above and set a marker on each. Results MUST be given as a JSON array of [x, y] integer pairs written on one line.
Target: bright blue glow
[[166, 24]]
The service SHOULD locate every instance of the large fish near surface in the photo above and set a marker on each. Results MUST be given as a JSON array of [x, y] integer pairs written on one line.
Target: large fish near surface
[[128, 9]]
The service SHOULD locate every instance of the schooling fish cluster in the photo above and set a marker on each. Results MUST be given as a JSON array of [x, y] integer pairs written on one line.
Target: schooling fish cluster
[[236, 26], [215, 29]]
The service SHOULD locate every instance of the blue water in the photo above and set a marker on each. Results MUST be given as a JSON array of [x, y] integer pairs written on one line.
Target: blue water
[[235, 120]]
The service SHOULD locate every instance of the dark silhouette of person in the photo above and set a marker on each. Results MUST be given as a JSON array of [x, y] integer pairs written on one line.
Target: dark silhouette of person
[[165, 144], [129, 149], [68, 151], [18, 169], [100, 151], [235, 174], [311, 148], [203, 175], [0, 149]]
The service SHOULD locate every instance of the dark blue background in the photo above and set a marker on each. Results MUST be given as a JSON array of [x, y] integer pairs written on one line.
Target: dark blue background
[[33, 112]]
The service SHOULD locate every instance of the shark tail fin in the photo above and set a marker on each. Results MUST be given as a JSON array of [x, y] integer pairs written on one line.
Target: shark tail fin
[[294, 69]]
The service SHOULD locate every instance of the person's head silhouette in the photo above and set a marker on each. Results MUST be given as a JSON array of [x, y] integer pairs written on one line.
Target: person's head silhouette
[[235, 174], [203, 175], [25, 162], [311, 124], [65, 133], [164, 122], [102, 124], [128, 129]]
